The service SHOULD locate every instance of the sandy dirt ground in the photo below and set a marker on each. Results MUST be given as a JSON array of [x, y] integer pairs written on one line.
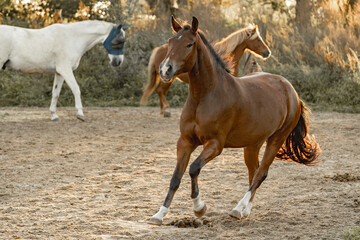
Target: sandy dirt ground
[[105, 177]]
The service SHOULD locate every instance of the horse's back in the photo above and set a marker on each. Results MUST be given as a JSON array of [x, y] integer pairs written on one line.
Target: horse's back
[[266, 81], [29, 50], [268, 90]]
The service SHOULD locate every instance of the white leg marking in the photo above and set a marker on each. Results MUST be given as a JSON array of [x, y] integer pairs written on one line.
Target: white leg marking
[[198, 204], [161, 213], [244, 205], [247, 210]]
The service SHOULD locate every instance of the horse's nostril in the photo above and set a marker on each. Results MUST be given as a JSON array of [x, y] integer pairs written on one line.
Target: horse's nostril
[[266, 54], [169, 70]]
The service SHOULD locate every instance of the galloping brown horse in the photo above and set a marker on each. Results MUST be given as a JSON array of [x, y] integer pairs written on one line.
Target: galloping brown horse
[[223, 111], [233, 45]]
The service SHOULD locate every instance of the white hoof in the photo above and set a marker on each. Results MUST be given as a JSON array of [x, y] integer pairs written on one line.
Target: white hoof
[[167, 113], [246, 212], [158, 217], [243, 208], [80, 117], [235, 214], [55, 117], [155, 221]]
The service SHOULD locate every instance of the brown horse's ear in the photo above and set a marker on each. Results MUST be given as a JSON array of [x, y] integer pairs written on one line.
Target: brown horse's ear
[[194, 25], [252, 31], [175, 25]]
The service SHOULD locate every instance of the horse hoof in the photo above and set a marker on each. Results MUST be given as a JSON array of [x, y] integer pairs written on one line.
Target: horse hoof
[[201, 212], [235, 214], [55, 119], [155, 221], [80, 117], [167, 113]]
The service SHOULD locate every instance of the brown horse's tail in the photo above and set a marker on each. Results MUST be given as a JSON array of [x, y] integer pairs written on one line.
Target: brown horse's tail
[[296, 147], [153, 80]]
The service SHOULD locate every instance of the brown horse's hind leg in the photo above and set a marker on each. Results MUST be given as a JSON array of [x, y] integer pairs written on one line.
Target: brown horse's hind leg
[[251, 156], [272, 147], [184, 150], [162, 89], [211, 149]]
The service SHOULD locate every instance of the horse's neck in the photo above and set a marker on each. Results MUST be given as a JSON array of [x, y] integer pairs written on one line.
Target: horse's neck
[[237, 53], [203, 76], [94, 32], [234, 50]]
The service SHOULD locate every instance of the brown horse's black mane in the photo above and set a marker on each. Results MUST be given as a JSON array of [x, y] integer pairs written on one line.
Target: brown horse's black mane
[[218, 59]]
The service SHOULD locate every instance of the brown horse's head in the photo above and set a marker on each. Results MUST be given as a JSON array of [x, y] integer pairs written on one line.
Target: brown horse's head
[[181, 54], [256, 44]]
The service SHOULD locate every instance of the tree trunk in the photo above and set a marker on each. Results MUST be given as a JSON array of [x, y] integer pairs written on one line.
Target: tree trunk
[[303, 14]]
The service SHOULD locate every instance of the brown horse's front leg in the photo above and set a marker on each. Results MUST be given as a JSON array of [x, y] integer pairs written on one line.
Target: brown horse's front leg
[[162, 89], [211, 149], [184, 150]]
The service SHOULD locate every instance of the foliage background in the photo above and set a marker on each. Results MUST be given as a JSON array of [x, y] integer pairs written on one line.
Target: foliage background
[[314, 43]]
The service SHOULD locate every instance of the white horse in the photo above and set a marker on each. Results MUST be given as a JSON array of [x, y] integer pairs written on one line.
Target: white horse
[[58, 49]]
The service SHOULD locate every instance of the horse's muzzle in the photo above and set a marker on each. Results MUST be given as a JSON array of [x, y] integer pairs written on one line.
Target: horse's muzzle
[[166, 72], [116, 62], [266, 54]]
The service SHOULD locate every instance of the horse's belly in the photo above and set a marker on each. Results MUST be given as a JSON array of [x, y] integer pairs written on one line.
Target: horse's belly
[[253, 131], [31, 66], [241, 139]]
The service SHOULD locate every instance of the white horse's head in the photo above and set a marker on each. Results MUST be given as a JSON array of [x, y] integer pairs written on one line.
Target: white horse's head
[[114, 44]]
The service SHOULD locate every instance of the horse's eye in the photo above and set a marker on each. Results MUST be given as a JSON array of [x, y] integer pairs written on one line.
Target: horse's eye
[[189, 45]]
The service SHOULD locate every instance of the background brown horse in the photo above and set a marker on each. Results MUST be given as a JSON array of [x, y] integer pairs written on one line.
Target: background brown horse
[[251, 65], [223, 111], [233, 46]]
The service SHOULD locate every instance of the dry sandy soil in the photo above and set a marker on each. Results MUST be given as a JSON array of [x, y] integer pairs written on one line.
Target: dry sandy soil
[[104, 178]]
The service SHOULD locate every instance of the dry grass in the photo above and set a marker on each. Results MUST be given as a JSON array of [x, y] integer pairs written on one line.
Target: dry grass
[[323, 64]]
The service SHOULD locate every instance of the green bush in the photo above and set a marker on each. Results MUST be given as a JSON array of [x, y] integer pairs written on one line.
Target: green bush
[[352, 234]]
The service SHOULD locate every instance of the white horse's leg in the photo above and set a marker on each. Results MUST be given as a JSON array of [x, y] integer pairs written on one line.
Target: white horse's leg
[[58, 82], [71, 82]]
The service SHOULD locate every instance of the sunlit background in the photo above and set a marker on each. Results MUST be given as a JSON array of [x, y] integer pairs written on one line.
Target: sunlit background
[[314, 43]]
